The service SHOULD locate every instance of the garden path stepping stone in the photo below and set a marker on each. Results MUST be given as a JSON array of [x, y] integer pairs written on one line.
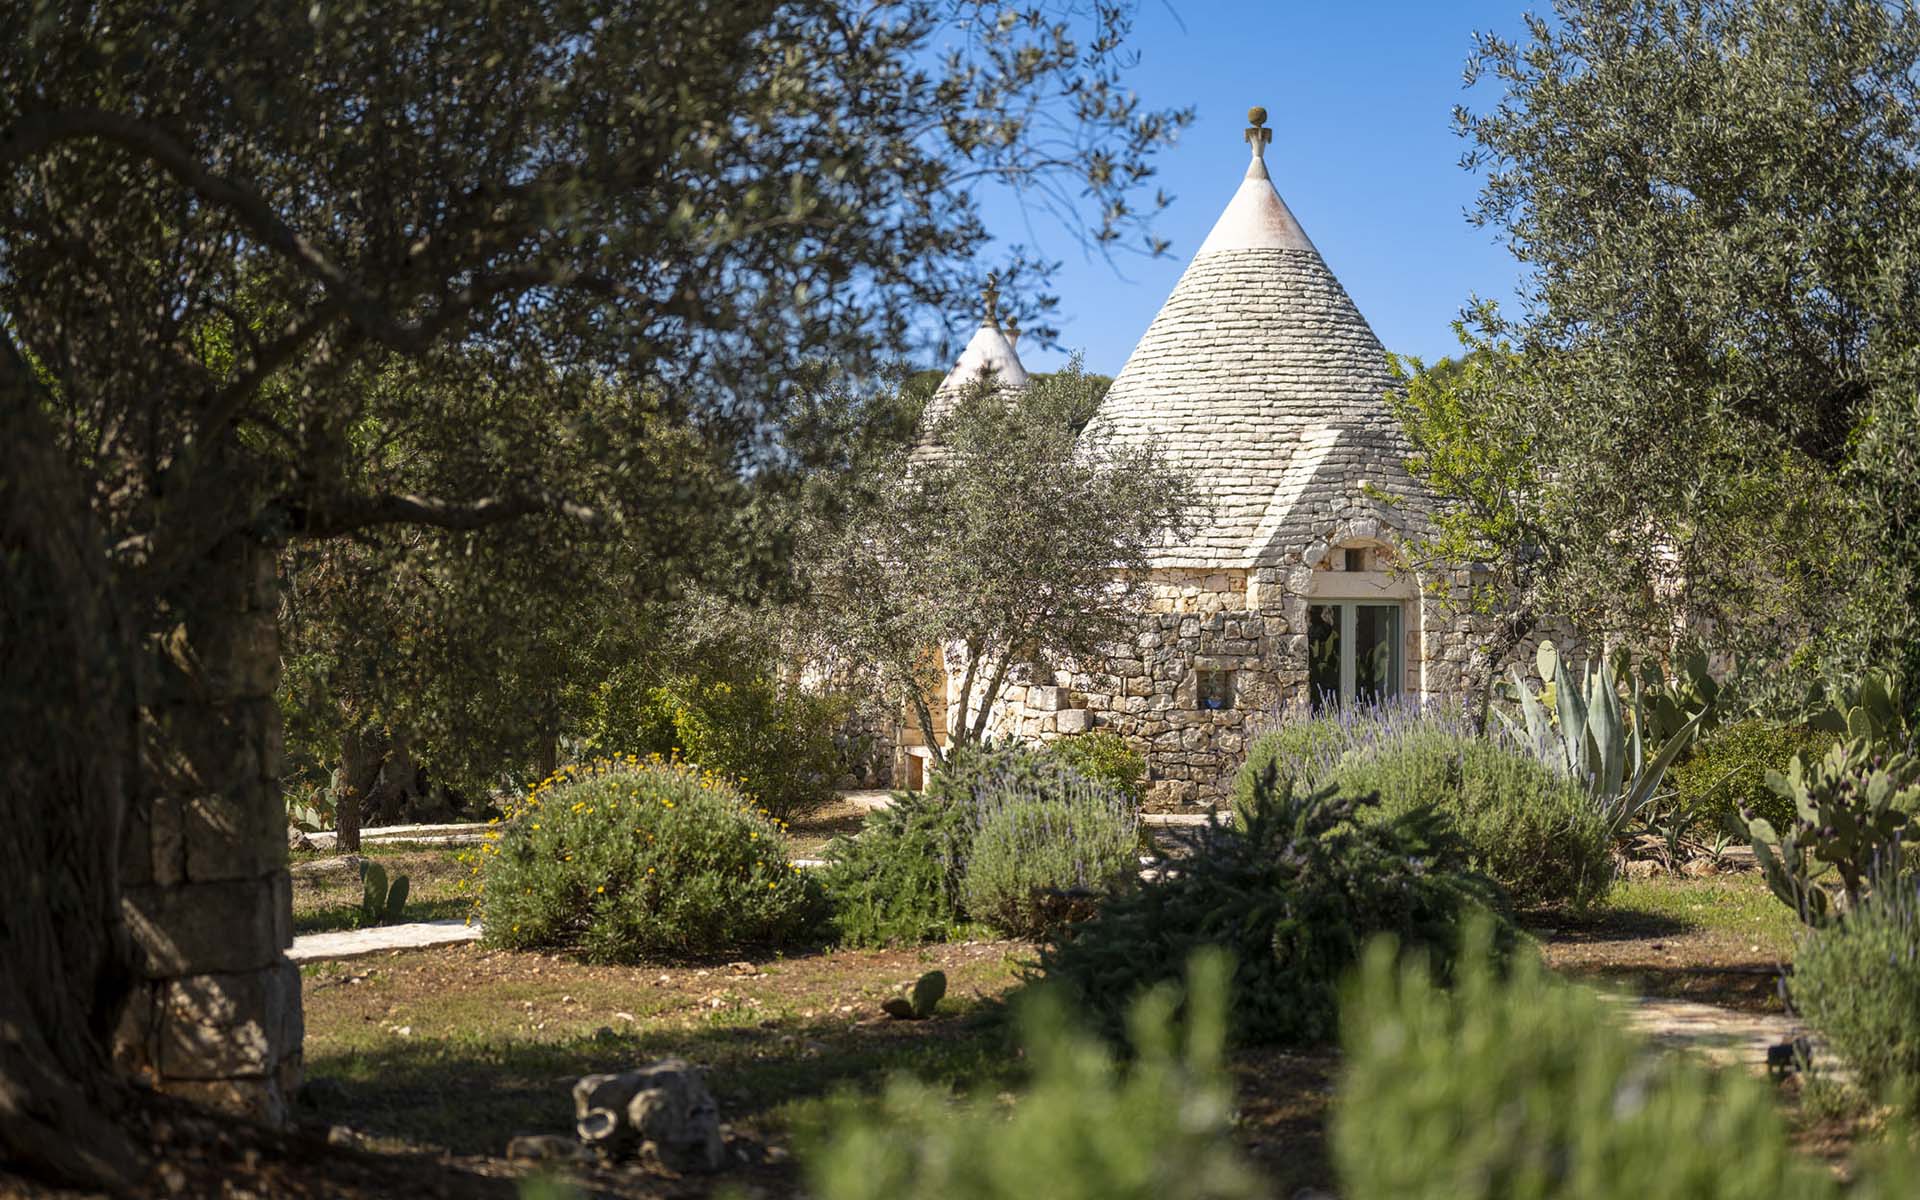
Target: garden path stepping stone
[[353, 943]]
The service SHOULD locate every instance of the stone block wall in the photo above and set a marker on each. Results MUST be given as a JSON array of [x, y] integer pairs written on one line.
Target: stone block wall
[[1251, 622], [216, 1014]]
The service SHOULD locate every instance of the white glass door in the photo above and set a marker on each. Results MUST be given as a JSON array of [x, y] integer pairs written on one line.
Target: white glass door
[[1353, 653]]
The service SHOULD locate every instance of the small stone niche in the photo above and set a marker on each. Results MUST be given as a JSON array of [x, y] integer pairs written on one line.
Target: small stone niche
[[1213, 690]]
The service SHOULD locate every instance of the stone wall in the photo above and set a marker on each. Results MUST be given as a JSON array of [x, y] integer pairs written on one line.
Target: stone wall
[[1251, 622], [216, 1015]]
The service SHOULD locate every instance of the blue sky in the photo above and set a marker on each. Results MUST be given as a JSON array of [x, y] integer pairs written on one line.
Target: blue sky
[[1364, 153]]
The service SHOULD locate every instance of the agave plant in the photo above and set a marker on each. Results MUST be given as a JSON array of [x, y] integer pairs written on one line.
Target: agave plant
[[1593, 736]]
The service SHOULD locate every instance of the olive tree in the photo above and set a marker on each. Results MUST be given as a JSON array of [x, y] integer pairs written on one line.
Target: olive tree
[[222, 224], [1712, 365], [1018, 541]]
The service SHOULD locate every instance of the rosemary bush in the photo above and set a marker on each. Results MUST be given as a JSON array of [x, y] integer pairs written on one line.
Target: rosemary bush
[[898, 882], [634, 861], [1508, 1084], [1295, 894], [1087, 1127]]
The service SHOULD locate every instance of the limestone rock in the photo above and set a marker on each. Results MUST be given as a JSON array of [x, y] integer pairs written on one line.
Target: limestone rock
[[543, 1147], [661, 1113]]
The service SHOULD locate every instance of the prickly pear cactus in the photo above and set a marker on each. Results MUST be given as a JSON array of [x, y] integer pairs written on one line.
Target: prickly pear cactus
[[1857, 819], [373, 892], [396, 899], [928, 992]]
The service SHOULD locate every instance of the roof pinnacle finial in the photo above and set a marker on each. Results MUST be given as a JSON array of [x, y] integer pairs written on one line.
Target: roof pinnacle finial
[[1012, 330], [990, 299], [1257, 134]]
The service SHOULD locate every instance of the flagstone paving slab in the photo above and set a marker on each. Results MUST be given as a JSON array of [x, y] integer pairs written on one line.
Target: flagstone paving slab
[[353, 943]]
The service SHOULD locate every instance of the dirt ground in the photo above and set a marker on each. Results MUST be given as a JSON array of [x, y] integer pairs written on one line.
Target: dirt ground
[[423, 1064], [1722, 939]]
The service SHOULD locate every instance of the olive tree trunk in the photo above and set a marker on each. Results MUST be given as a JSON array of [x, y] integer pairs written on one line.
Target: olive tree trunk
[[147, 903], [68, 759]]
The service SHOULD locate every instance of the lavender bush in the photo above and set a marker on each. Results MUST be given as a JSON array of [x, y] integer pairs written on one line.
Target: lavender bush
[[1041, 860], [1539, 836], [1857, 981], [904, 878]]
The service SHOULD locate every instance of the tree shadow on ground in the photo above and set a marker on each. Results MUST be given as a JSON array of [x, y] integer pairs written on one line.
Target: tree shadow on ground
[[1604, 925], [472, 1096], [1746, 987]]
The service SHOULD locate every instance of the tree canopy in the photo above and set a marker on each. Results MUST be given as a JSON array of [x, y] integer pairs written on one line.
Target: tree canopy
[[1022, 540], [277, 273], [1709, 382]]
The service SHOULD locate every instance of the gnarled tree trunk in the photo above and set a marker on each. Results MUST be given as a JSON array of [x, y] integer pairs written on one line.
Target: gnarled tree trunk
[[68, 761]]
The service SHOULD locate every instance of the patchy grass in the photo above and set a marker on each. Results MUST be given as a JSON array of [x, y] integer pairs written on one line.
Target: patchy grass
[[455, 1050], [1721, 939], [326, 888], [459, 1049], [1738, 904]]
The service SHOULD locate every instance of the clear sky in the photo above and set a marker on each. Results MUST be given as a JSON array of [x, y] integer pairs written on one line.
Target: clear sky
[[1360, 98]]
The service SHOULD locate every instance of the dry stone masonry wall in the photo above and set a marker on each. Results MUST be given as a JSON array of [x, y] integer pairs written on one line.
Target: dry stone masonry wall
[[216, 1014]]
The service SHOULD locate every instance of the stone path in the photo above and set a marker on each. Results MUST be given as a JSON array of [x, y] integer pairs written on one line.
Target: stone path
[[353, 943], [426, 835], [1724, 1036]]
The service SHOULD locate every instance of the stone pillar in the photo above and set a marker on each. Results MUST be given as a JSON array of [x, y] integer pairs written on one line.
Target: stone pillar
[[216, 1016]]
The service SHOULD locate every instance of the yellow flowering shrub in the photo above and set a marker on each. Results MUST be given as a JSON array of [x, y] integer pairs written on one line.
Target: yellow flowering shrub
[[634, 860]]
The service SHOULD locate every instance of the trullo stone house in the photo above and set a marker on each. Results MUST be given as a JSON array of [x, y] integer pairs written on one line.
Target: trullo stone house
[[1260, 380]]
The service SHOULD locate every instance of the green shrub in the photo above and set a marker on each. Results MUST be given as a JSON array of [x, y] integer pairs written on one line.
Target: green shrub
[[784, 747], [899, 881], [1039, 860], [1726, 773], [781, 745], [903, 878], [1104, 757], [1857, 981], [634, 861], [1297, 752], [1295, 894], [1085, 1128], [1523, 1088], [1537, 835]]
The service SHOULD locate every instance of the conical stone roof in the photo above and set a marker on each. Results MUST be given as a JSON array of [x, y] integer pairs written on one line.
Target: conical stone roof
[[990, 354], [1261, 382]]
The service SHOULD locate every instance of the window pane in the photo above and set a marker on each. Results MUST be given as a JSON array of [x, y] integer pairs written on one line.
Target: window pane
[[1323, 656], [1376, 634]]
